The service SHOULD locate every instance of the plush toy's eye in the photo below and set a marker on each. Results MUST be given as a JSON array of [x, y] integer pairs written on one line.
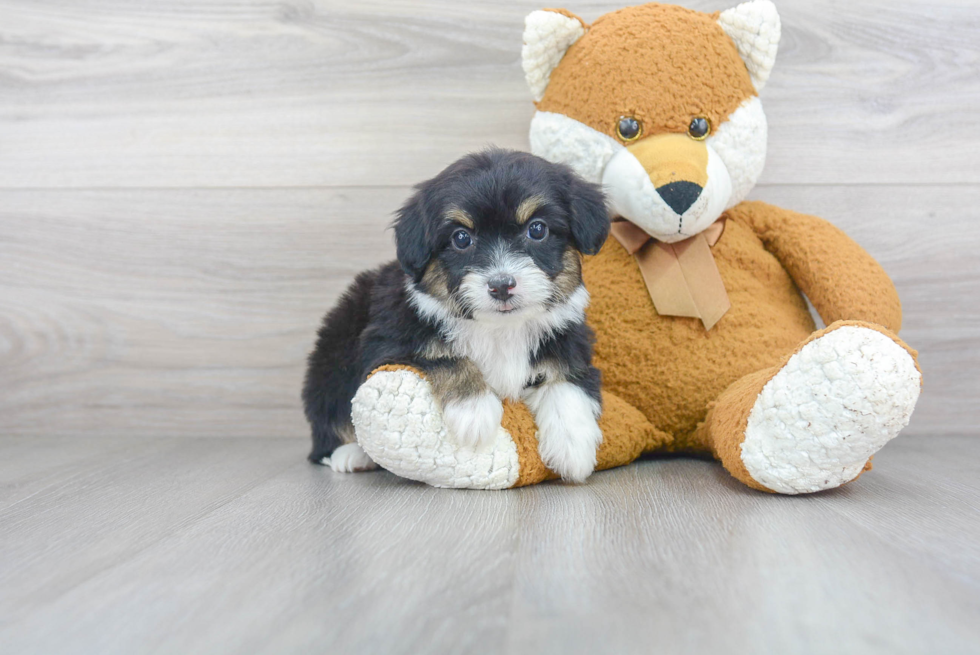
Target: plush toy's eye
[[537, 230], [462, 239], [699, 128], [628, 128]]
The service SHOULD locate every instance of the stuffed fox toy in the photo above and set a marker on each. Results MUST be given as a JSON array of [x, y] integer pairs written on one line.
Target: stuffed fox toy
[[703, 335]]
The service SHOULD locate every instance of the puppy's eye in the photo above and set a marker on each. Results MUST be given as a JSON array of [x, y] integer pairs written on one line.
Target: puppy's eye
[[628, 128], [699, 129], [462, 240], [537, 230]]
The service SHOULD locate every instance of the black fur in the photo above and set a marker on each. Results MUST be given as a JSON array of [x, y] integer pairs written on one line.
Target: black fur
[[375, 324], [590, 219], [371, 325]]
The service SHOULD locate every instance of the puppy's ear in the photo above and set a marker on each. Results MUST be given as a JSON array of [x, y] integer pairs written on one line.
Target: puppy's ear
[[590, 220], [412, 241]]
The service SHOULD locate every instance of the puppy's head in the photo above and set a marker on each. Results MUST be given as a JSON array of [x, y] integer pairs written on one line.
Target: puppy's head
[[499, 234]]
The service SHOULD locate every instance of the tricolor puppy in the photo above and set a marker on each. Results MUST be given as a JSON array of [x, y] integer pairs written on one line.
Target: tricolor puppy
[[486, 298]]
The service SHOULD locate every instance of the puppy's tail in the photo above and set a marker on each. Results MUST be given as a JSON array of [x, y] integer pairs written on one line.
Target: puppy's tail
[[333, 372]]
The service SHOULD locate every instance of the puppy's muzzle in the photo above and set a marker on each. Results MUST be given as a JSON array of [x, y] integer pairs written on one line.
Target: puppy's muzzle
[[501, 286]]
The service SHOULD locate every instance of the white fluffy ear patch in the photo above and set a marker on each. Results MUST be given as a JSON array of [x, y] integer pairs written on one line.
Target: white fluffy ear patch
[[547, 35], [755, 28]]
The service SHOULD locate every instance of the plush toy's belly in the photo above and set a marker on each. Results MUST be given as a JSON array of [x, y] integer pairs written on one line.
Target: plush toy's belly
[[670, 368]]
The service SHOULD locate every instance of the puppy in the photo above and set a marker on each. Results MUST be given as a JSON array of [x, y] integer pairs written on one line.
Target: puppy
[[487, 299]]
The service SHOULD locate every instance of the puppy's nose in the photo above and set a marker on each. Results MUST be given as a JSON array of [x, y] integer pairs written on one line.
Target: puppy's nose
[[680, 195], [500, 286]]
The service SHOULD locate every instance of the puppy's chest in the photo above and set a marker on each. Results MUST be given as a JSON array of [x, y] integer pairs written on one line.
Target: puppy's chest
[[503, 355]]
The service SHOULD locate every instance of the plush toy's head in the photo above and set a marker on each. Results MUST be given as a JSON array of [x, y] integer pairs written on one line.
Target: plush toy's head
[[658, 104]]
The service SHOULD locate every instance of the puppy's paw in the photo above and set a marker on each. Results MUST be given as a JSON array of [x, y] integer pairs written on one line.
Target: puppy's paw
[[571, 451], [349, 458], [568, 434], [474, 421]]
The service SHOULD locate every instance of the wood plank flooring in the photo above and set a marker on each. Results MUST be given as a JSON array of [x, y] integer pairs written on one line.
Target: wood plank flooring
[[161, 545]]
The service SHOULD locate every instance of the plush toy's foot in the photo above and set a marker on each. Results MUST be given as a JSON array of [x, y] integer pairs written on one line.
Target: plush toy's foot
[[815, 422], [399, 425]]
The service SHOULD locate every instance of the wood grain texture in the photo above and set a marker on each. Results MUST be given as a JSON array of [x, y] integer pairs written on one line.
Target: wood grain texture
[[238, 546], [173, 312], [190, 312], [185, 93]]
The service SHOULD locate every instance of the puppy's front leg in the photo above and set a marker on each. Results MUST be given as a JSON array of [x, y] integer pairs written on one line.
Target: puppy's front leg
[[471, 411], [568, 432]]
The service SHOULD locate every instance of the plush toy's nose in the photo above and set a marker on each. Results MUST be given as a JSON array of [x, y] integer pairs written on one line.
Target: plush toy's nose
[[679, 196], [677, 166], [500, 286]]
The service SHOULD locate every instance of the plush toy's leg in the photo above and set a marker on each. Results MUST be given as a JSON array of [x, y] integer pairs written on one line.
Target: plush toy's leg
[[399, 424], [814, 421]]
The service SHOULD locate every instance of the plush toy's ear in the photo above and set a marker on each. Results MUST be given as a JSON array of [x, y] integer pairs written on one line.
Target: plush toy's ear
[[754, 27], [548, 33], [590, 219], [412, 244]]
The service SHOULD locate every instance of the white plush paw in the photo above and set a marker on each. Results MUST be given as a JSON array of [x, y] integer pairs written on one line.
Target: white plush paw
[[399, 424], [474, 421], [568, 434], [831, 407], [349, 458]]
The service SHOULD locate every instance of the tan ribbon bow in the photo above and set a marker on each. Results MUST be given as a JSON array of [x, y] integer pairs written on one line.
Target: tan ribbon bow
[[682, 278]]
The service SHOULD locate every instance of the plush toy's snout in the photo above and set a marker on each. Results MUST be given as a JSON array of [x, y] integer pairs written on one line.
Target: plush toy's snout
[[677, 166], [669, 185]]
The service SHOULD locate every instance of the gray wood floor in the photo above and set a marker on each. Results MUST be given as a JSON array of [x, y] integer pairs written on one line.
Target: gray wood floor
[[119, 545]]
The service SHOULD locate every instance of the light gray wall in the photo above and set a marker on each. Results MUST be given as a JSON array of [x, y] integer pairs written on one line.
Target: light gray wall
[[186, 185]]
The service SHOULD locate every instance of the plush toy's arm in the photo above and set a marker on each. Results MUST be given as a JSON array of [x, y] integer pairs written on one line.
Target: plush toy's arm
[[839, 277]]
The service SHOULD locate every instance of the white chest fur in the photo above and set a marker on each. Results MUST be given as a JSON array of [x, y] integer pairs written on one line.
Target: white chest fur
[[501, 351], [502, 347]]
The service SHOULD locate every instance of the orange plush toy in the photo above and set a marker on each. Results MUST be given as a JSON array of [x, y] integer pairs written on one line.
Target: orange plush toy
[[704, 339]]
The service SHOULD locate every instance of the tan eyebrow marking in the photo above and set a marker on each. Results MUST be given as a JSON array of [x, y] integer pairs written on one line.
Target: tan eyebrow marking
[[457, 215], [527, 207]]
